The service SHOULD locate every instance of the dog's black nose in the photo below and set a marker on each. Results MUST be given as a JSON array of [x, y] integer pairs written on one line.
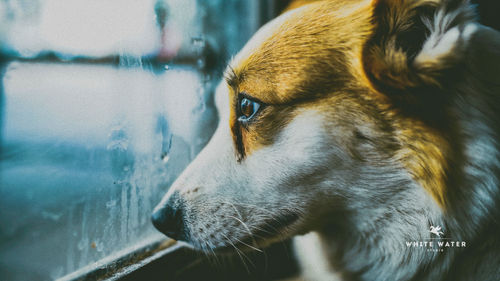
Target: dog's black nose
[[169, 218]]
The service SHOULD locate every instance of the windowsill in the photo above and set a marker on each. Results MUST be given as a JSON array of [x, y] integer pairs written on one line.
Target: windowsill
[[124, 262], [168, 260]]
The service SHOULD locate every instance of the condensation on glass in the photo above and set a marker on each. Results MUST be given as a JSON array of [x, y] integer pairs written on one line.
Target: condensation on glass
[[102, 105]]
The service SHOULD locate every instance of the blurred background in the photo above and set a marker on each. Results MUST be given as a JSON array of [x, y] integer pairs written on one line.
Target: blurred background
[[102, 105]]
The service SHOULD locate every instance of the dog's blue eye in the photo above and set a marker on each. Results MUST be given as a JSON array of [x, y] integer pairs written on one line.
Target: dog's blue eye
[[248, 108]]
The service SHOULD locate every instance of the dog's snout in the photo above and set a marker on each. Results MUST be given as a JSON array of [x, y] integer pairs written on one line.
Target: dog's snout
[[169, 218]]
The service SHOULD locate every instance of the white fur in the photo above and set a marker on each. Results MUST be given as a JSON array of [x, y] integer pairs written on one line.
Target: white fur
[[436, 48], [312, 258], [443, 41]]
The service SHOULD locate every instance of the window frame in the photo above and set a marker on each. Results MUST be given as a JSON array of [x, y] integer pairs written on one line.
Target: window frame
[[145, 259]]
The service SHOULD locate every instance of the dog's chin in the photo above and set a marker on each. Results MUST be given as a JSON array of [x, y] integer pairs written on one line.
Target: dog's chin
[[267, 233]]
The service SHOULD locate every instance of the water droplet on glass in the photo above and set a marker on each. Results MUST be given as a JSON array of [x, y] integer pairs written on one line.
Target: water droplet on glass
[[198, 42], [110, 204], [200, 63], [165, 158]]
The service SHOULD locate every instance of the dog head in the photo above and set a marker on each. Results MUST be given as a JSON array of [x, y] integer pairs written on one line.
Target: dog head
[[321, 116]]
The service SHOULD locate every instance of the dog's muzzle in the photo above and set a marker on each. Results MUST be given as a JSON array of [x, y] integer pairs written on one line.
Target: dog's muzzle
[[169, 218]]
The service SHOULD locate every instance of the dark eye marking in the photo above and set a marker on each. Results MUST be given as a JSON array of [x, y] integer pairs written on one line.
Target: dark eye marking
[[246, 108]]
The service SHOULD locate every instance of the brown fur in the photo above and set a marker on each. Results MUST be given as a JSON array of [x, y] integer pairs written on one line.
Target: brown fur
[[281, 80], [338, 55]]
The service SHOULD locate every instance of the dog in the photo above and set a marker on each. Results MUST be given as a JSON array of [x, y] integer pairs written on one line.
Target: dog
[[369, 130]]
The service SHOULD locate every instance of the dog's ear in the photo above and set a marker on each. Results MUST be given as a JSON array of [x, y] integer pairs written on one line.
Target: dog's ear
[[415, 44]]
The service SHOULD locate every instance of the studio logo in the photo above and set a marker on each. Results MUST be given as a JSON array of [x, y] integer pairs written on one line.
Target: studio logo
[[437, 241], [436, 230]]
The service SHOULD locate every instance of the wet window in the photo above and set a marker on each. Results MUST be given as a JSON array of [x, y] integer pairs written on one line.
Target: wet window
[[102, 105]]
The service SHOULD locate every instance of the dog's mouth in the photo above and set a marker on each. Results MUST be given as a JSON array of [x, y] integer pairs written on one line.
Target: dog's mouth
[[269, 231]]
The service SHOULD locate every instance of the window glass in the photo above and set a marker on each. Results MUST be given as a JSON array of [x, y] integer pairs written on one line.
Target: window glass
[[102, 105]]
